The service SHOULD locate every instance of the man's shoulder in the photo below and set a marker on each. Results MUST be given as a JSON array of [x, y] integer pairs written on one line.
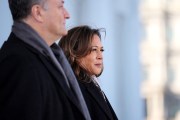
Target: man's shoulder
[[13, 43], [16, 47], [15, 50]]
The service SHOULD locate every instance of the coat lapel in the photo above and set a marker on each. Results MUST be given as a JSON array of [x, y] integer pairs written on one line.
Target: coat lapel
[[59, 77], [112, 111], [93, 90]]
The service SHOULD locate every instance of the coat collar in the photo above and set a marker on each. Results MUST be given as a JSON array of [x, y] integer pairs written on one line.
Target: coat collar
[[103, 104]]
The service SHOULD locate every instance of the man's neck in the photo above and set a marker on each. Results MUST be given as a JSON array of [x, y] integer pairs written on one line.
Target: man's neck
[[38, 27]]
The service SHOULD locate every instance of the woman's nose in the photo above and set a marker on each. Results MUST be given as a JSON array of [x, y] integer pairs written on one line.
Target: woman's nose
[[100, 55]]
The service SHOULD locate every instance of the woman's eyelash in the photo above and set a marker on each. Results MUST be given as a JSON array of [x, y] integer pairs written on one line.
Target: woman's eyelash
[[95, 49]]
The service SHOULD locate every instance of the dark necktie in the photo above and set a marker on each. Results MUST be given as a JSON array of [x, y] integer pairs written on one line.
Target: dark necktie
[[71, 78]]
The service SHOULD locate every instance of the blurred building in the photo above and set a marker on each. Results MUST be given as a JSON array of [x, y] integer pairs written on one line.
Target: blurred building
[[160, 56]]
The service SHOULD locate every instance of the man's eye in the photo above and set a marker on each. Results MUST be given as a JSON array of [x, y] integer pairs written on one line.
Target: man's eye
[[60, 6]]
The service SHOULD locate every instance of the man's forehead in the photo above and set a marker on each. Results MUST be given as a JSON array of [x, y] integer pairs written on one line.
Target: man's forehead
[[57, 1]]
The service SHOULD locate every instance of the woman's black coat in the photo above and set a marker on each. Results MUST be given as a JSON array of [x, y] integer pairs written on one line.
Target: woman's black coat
[[99, 108]]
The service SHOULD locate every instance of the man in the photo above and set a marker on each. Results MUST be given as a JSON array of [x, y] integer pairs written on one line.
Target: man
[[34, 84]]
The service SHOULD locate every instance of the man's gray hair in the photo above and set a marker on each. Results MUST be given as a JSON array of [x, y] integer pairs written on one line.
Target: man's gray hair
[[20, 9]]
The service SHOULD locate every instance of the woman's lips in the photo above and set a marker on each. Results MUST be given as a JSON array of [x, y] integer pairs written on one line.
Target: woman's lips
[[98, 65]]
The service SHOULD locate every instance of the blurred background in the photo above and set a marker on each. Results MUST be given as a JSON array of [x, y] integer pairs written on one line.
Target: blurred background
[[142, 53]]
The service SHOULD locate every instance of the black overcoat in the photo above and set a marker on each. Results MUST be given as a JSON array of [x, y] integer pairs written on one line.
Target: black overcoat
[[31, 88]]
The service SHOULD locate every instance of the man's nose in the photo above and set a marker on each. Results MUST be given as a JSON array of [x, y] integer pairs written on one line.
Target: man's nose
[[66, 14]]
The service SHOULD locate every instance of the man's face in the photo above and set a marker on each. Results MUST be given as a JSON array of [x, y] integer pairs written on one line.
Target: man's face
[[55, 18]]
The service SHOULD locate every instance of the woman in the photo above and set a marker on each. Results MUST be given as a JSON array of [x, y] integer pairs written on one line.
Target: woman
[[83, 49]]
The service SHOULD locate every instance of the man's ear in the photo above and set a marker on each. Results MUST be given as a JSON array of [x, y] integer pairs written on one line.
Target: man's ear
[[37, 13]]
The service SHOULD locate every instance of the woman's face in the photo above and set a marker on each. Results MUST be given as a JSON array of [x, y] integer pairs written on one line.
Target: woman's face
[[93, 62]]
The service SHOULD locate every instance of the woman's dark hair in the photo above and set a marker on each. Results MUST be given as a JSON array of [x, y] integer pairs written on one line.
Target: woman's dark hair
[[22, 8], [77, 44]]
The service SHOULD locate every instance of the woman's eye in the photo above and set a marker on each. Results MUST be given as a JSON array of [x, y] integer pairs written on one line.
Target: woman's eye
[[102, 50], [94, 49]]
